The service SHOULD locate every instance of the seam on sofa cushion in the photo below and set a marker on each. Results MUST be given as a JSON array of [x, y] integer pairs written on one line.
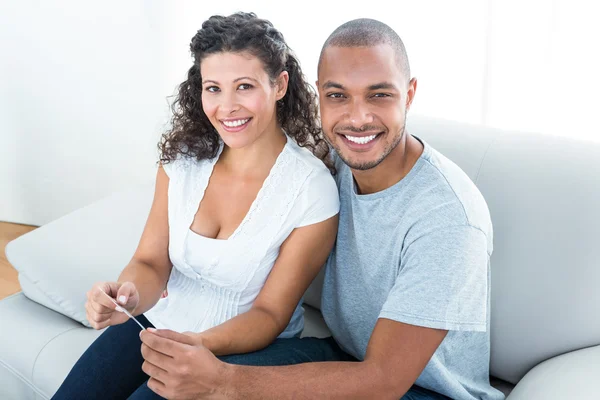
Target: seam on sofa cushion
[[65, 310], [22, 378], [42, 349]]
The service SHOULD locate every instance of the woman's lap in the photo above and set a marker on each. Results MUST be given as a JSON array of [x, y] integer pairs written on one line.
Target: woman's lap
[[110, 368]]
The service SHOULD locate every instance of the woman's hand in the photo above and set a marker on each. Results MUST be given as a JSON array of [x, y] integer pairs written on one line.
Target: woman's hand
[[101, 311]]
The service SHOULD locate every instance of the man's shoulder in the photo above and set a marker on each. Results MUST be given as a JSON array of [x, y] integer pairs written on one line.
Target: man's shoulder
[[444, 193]]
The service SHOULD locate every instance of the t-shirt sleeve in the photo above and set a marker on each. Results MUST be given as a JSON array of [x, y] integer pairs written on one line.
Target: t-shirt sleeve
[[319, 199], [443, 281]]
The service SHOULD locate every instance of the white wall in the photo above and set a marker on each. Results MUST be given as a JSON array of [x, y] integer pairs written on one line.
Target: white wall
[[544, 67], [80, 106], [84, 84]]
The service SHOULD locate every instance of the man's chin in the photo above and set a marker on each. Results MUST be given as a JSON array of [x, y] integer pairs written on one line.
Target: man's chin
[[360, 165]]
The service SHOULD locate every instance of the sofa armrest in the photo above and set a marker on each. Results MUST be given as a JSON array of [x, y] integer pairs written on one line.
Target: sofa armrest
[[572, 375], [59, 262]]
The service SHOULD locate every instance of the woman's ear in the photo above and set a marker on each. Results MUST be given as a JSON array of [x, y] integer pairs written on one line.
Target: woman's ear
[[282, 84]]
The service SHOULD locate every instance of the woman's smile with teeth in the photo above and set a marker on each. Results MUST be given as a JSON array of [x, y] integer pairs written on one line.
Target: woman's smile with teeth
[[234, 123], [360, 140]]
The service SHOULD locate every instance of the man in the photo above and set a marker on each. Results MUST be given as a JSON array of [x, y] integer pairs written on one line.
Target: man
[[406, 293]]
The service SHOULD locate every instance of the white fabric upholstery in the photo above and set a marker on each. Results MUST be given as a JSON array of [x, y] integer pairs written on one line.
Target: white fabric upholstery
[[59, 262], [38, 347], [569, 376]]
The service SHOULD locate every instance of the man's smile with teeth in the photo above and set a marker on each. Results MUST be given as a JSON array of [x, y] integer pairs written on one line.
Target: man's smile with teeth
[[360, 140]]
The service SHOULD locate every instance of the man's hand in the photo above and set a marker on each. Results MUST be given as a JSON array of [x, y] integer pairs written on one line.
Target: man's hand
[[180, 367]]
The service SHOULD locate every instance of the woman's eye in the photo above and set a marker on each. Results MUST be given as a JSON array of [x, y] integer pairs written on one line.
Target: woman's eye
[[335, 95], [245, 86], [212, 89]]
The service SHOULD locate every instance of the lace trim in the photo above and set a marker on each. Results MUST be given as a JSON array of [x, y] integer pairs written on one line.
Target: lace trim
[[272, 181], [290, 178]]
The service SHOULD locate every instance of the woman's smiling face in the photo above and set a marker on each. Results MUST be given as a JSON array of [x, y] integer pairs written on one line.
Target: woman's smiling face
[[239, 98]]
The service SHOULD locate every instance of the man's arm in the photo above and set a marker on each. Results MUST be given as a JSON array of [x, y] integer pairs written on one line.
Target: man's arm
[[396, 355]]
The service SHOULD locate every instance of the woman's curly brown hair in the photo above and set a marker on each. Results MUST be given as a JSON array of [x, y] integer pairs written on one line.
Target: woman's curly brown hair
[[191, 133]]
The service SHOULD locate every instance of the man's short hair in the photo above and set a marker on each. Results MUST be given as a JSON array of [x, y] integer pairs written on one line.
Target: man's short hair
[[366, 32]]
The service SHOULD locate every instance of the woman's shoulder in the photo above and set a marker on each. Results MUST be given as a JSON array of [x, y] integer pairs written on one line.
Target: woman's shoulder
[[318, 180], [313, 164], [317, 199], [183, 165]]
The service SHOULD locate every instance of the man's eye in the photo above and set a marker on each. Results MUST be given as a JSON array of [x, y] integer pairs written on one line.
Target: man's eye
[[335, 95], [381, 95], [245, 86], [212, 89]]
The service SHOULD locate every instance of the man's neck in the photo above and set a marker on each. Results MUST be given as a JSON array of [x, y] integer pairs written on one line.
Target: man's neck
[[392, 169]]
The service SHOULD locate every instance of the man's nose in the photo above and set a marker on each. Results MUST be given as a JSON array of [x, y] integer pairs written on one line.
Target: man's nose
[[359, 114]]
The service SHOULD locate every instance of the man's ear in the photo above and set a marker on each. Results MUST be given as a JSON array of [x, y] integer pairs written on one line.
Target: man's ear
[[282, 84], [410, 93]]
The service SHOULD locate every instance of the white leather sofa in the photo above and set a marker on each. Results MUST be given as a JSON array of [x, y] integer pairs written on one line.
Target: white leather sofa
[[544, 196]]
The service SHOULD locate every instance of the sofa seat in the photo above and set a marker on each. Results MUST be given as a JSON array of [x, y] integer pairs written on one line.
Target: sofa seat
[[37, 348]]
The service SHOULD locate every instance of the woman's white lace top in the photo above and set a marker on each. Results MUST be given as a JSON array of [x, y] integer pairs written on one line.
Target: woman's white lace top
[[213, 280]]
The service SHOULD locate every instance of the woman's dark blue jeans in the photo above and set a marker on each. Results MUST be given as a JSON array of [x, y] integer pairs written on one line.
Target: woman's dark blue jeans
[[111, 368]]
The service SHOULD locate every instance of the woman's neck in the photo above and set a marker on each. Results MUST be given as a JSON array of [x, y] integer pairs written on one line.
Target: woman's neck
[[258, 158]]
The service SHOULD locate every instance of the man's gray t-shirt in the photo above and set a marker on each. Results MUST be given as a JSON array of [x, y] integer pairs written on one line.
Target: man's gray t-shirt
[[418, 253]]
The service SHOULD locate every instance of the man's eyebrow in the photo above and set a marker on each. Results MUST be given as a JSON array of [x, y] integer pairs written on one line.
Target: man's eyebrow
[[333, 85], [383, 85]]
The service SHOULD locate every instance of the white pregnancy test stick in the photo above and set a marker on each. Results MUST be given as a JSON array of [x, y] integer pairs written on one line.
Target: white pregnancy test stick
[[121, 309]]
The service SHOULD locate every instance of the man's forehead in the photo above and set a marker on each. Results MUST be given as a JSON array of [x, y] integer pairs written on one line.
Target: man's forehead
[[359, 66]]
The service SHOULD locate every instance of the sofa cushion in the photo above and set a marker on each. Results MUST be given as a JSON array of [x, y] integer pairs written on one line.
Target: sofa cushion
[[59, 262], [312, 297], [569, 376], [38, 347], [314, 324]]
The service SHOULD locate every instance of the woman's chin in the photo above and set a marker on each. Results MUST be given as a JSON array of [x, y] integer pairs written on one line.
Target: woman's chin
[[236, 141]]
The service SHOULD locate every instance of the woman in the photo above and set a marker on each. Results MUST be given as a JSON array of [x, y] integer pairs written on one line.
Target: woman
[[244, 213]]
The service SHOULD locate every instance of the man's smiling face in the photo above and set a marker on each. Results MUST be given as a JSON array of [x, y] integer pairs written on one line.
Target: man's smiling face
[[363, 100]]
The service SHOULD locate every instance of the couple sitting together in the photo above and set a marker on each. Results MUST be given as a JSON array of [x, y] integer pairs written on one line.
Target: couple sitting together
[[256, 191]]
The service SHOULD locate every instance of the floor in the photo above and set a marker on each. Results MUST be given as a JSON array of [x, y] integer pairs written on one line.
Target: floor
[[9, 284]]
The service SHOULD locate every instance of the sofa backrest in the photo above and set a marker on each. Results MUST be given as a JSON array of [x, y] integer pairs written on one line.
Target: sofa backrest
[[544, 198]]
